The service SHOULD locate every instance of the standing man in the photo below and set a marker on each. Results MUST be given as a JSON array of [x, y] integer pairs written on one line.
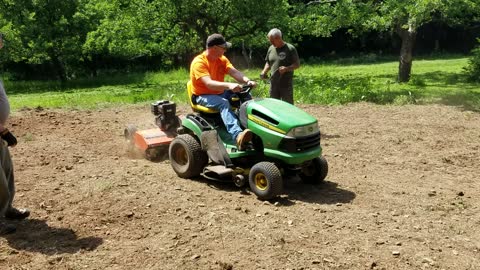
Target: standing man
[[282, 58], [7, 185], [207, 74]]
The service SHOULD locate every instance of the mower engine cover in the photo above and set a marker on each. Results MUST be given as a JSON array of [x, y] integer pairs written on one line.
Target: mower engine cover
[[165, 114], [285, 130]]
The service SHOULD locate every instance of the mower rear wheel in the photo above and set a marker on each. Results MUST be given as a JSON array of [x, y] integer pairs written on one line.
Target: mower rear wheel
[[315, 171], [186, 156], [265, 180]]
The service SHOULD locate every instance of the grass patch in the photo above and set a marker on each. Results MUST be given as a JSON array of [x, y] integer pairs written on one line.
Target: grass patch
[[99, 92], [433, 81], [338, 81]]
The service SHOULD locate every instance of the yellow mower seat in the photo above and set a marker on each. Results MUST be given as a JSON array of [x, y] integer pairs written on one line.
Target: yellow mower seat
[[196, 107]]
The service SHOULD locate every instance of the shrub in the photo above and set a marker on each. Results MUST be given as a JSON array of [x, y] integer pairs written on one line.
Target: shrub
[[473, 67], [327, 89]]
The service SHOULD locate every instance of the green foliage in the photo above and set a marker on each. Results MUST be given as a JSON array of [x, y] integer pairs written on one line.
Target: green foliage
[[418, 82], [328, 89], [174, 28], [473, 68], [72, 37], [42, 31], [405, 99], [320, 18]]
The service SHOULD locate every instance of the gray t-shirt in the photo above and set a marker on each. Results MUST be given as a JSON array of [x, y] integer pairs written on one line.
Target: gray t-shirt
[[283, 56], [4, 105]]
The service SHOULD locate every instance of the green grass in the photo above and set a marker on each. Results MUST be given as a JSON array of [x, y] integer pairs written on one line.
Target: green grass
[[339, 81], [99, 92], [433, 81]]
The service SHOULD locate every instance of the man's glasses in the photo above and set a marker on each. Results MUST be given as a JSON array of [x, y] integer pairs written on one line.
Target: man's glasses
[[221, 47]]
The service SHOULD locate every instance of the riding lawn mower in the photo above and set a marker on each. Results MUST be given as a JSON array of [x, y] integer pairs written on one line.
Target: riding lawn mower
[[286, 142]]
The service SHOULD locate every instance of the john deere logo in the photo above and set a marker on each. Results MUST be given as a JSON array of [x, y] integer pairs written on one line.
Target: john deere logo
[[310, 129]]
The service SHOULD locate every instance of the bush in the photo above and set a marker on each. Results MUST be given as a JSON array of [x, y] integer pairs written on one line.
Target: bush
[[473, 67], [327, 89]]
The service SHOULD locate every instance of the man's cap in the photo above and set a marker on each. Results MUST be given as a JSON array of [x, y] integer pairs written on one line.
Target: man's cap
[[217, 40]]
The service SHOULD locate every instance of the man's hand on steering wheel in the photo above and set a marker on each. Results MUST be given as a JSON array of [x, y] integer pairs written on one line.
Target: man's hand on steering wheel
[[253, 84], [235, 87]]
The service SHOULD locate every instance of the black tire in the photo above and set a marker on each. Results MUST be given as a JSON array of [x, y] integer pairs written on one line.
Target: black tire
[[128, 133], [265, 180], [315, 171], [186, 156]]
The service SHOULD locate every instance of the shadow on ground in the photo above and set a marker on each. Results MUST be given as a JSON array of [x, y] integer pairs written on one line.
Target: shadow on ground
[[37, 236], [324, 193], [294, 190]]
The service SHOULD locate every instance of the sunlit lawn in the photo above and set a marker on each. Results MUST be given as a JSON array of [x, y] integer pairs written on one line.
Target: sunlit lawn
[[335, 82]]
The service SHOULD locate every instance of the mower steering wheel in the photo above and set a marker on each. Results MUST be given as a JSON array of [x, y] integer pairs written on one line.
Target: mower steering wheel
[[246, 89], [244, 94]]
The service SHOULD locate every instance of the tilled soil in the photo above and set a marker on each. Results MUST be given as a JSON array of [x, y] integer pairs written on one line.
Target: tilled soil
[[402, 193]]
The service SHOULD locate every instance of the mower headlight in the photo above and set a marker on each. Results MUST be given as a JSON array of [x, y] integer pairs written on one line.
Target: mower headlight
[[304, 130]]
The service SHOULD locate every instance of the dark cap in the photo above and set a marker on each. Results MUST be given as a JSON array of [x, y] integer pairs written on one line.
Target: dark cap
[[217, 40]]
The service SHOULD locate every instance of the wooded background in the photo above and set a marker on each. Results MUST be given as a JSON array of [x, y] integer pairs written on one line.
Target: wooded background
[[65, 39]]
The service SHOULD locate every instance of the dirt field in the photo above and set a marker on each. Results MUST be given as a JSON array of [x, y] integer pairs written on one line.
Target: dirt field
[[402, 193]]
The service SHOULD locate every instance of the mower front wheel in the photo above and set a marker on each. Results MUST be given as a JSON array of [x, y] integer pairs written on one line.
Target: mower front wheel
[[315, 171], [186, 156], [265, 180]]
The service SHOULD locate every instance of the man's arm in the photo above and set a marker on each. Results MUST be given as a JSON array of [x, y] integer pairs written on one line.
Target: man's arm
[[266, 68], [241, 78], [219, 86], [295, 63], [238, 75], [290, 68], [6, 135]]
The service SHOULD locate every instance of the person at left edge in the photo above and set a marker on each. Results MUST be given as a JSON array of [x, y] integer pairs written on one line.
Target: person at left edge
[[7, 183]]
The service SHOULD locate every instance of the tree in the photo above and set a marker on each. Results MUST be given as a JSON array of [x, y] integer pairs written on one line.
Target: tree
[[175, 29], [473, 68], [404, 18], [41, 31]]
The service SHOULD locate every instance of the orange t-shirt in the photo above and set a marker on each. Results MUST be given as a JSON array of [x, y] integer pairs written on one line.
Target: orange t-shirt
[[201, 67]]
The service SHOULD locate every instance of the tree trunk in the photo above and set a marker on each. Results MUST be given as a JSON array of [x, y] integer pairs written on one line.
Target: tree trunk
[[60, 70], [245, 55], [57, 66], [408, 41]]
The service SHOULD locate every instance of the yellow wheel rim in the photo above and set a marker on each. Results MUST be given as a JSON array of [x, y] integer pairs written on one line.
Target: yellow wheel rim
[[261, 181], [181, 156]]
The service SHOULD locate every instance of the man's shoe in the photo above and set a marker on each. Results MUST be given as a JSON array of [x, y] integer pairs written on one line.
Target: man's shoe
[[6, 228], [244, 137], [14, 213]]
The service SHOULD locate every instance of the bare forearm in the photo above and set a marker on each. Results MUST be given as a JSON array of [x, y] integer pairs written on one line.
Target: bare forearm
[[266, 68], [218, 85], [239, 76]]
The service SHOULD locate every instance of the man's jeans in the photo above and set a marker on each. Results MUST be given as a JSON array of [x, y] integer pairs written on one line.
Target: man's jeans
[[220, 102]]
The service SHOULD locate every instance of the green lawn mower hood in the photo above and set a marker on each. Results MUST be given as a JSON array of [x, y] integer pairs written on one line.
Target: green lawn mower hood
[[286, 132], [279, 117]]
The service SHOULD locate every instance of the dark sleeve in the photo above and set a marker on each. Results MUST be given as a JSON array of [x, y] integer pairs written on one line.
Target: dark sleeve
[[294, 54]]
